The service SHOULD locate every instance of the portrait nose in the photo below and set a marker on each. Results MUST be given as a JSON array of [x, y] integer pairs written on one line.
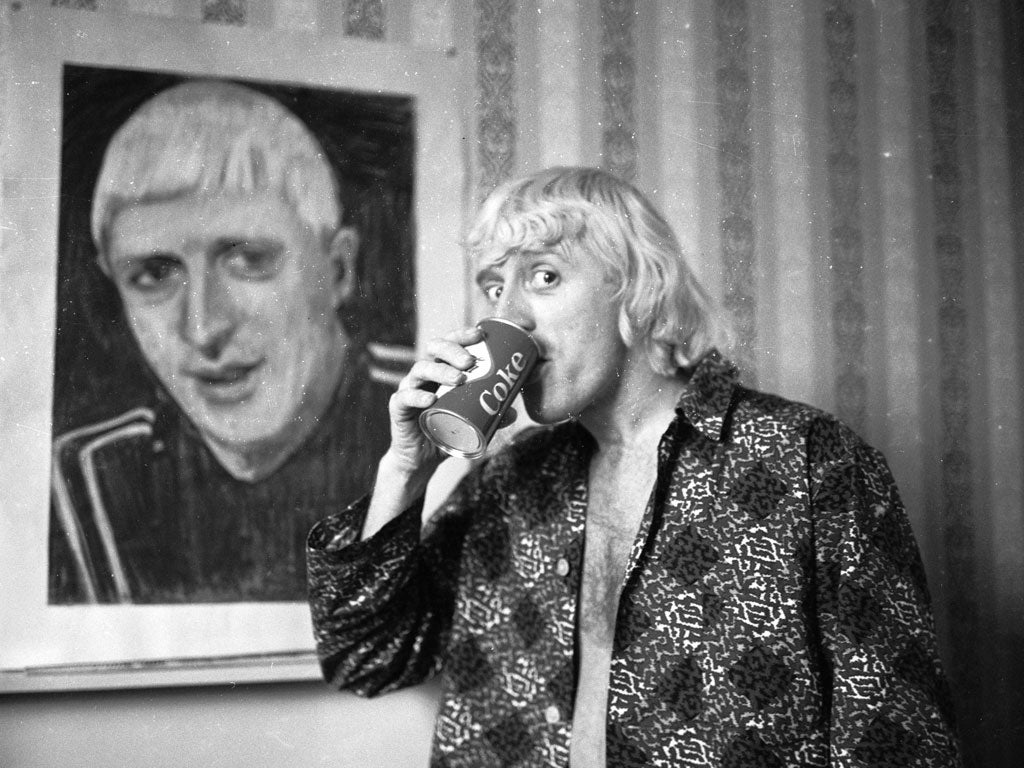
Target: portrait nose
[[206, 315]]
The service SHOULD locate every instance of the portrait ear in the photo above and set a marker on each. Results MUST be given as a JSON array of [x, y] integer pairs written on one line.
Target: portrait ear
[[342, 252]]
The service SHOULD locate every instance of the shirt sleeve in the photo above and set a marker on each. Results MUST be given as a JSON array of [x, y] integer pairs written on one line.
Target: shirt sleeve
[[890, 704], [382, 607]]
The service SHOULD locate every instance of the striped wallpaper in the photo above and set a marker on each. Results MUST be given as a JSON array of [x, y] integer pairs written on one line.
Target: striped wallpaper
[[841, 172]]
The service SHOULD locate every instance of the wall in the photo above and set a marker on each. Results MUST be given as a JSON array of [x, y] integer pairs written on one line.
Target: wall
[[844, 173], [257, 726]]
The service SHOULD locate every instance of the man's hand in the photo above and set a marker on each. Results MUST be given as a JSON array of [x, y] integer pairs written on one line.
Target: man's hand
[[411, 459]]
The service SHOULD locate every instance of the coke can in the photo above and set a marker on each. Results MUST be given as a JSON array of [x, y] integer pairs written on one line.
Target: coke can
[[464, 418]]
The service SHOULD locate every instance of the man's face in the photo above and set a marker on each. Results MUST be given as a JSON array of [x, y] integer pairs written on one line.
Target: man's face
[[567, 304], [232, 300]]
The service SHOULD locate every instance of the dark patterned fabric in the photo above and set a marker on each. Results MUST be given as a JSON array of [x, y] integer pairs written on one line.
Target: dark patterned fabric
[[774, 610]]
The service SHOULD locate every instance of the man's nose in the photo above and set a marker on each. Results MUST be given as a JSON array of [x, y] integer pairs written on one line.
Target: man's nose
[[513, 305], [206, 314]]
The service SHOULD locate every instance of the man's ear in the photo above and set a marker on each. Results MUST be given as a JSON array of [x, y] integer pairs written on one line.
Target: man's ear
[[341, 252]]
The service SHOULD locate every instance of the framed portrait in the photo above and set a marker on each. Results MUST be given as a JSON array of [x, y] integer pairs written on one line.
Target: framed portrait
[[220, 249]]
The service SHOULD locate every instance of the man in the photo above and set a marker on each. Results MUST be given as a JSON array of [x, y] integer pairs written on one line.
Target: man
[[217, 218], [673, 570]]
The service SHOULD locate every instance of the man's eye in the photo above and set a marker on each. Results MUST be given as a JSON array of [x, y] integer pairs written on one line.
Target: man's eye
[[153, 273], [252, 262], [543, 278], [493, 292]]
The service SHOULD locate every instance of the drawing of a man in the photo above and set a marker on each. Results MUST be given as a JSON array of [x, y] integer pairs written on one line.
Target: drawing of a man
[[217, 218]]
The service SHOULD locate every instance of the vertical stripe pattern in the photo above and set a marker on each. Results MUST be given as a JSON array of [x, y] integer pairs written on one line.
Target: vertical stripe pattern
[[559, 66], [846, 239], [682, 146], [948, 262], [431, 22], [1003, 321], [365, 19], [618, 72], [793, 290], [900, 222], [735, 175], [78, 5], [225, 12], [296, 14], [495, 103]]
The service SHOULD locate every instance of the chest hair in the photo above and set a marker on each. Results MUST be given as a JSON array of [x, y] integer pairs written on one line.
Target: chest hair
[[619, 487]]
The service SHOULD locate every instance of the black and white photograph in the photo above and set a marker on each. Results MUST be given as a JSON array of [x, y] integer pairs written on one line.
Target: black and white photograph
[[512, 383]]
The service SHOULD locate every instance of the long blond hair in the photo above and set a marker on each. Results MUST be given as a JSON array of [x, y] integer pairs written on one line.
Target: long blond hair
[[589, 213]]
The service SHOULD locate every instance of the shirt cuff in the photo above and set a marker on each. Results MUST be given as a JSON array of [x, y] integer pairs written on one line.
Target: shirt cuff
[[335, 539]]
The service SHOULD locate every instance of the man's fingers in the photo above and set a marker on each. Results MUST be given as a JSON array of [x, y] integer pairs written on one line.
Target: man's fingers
[[432, 372], [465, 336], [452, 348], [412, 399], [443, 364]]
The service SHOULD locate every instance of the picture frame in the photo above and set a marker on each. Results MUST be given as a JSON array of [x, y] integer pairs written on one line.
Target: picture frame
[[44, 646]]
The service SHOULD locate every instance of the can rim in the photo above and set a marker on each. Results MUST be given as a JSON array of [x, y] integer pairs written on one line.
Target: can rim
[[459, 454]]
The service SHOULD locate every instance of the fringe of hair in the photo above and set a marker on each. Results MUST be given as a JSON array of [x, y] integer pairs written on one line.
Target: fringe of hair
[[206, 138], [588, 213]]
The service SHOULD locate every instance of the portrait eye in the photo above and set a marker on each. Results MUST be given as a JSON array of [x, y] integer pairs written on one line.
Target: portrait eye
[[252, 261], [153, 274]]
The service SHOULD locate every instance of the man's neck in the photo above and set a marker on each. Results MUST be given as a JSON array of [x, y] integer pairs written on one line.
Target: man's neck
[[637, 416]]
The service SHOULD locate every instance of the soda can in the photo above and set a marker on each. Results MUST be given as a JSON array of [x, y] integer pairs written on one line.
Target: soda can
[[464, 418]]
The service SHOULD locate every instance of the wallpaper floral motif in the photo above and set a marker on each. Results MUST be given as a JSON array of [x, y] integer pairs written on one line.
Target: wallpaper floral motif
[[946, 120], [495, 80], [735, 175], [365, 18], [846, 246], [225, 11], [618, 76]]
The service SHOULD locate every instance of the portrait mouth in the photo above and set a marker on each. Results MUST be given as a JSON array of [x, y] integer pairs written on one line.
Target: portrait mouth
[[226, 384]]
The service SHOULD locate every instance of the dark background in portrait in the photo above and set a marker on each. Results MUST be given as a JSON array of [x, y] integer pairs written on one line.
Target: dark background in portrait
[[369, 140]]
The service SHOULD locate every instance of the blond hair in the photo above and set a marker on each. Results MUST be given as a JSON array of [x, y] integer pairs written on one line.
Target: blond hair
[[589, 213], [208, 138]]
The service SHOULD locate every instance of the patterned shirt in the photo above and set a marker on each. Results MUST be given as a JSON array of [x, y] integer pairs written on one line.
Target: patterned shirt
[[774, 610]]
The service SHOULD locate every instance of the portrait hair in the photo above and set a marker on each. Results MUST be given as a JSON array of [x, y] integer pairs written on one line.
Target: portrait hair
[[589, 213], [210, 138]]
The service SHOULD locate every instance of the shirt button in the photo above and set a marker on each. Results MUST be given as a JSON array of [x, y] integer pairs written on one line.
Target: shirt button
[[552, 715], [562, 567]]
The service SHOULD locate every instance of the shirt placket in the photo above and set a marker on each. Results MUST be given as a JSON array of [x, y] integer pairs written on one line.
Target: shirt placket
[[667, 450], [565, 567]]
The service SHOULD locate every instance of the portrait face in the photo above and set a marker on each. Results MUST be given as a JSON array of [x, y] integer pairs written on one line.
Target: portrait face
[[568, 305], [232, 300]]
